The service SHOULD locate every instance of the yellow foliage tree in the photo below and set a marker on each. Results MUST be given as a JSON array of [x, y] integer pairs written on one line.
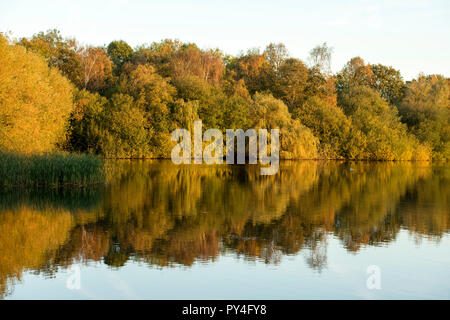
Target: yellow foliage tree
[[35, 101]]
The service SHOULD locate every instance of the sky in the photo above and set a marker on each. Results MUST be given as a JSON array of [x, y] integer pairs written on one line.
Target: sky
[[410, 35]]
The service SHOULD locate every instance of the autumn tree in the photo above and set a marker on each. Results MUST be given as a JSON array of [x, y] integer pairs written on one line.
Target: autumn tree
[[355, 73], [276, 54], [58, 52], [254, 69], [386, 138], [184, 114], [338, 138], [189, 60], [387, 81], [86, 122], [352, 114], [158, 54], [293, 79], [97, 68], [125, 133], [114, 128], [296, 141], [35, 101], [153, 95], [426, 111]]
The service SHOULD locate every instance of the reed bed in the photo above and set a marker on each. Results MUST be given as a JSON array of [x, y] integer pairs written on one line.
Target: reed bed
[[50, 170]]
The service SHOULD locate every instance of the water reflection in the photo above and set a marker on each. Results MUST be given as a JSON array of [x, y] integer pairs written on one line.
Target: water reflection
[[161, 214]]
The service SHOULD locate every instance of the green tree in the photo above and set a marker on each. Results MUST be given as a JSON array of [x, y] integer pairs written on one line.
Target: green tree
[[124, 133], [293, 80], [355, 73], [296, 141], [386, 137], [387, 81], [158, 54], [153, 95], [235, 110], [338, 138], [85, 129], [120, 53], [426, 111], [184, 114]]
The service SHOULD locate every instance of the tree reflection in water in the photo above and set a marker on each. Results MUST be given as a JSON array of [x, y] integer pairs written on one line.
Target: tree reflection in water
[[161, 214]]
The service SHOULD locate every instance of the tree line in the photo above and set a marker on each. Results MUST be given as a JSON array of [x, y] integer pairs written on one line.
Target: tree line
[[121, 102]]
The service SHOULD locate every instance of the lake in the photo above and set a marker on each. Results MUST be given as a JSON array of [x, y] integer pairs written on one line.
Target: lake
[[315, 230]]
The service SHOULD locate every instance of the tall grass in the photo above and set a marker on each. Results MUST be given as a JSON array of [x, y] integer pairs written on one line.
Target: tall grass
[[49, 170]]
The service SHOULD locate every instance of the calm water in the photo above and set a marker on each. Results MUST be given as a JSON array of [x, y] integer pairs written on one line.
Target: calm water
[[160, 231]]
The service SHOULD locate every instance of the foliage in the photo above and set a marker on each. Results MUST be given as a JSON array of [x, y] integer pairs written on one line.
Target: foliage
[[387, 81], [386, 138], [128, 101], [120, 53], [97, 68], [35, 101], [85, 122], [59, 53], [296, 141], [426, 111], [338, 138]]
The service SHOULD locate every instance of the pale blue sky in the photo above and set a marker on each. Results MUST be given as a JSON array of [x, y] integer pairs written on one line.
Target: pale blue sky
[[411, 35]]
